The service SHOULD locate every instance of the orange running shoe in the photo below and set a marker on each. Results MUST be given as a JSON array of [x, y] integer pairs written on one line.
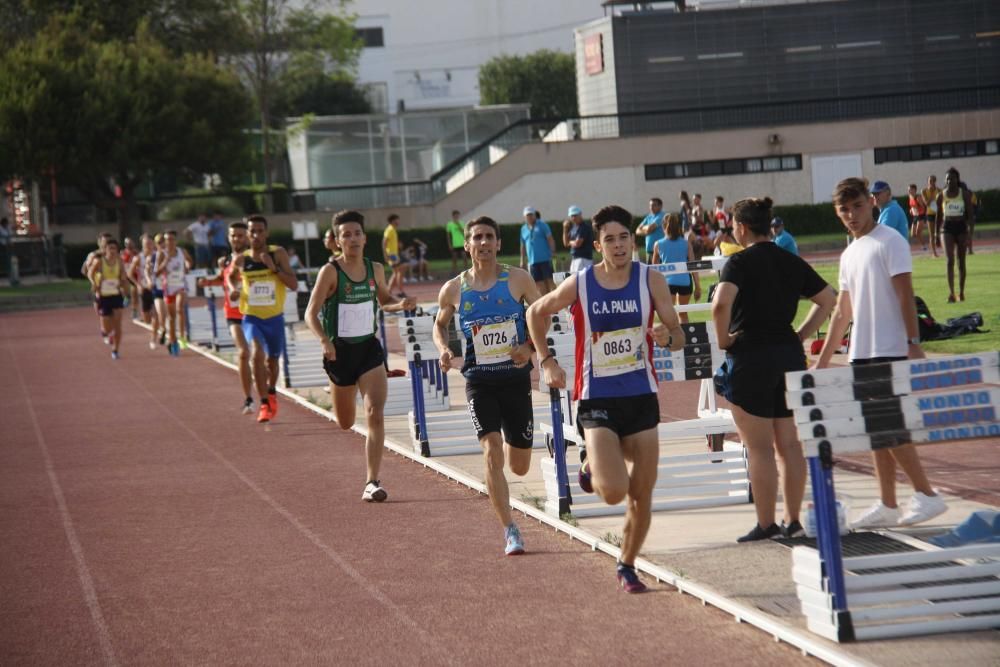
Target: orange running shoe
[[272, 403], [264, 415]]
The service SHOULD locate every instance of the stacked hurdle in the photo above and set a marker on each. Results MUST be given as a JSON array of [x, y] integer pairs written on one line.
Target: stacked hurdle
[[865, 408], [689, 481], [428, 386], [205, 326]]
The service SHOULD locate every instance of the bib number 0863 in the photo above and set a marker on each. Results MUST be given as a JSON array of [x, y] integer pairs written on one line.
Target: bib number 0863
[[623, 346]]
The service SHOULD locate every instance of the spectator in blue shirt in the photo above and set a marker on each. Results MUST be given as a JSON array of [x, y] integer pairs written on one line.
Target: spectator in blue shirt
[[219, 234], [652, 226], [537, 243], [890, 212], [578, 236], [782, 238]]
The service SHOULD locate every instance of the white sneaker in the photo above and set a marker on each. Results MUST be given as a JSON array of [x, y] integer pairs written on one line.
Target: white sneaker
[[374, 493], [877, 516], [922, 508]]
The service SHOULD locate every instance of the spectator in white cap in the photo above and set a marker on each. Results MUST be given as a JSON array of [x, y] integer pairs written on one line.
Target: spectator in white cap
[[538, 246], [578, 236]]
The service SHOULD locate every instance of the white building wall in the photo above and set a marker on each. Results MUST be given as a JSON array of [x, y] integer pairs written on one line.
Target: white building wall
[[433, 48]]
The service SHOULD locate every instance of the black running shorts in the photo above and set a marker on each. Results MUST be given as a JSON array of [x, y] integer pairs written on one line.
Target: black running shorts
[[353, 361], [503, 407], [758, 380], [107, 305], [147, 300], [625, 415]]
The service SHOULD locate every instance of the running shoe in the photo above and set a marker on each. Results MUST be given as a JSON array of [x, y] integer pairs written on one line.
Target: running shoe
[[184, 342], [759, 533], [248, 406], [629, 580], [152, 344], [106, 338], [792, 529], [877, 516], [114, 355], [922, 508], [272, 402], [584, 478], [264, 414], [374, 493], [163, 337], [515, 543]]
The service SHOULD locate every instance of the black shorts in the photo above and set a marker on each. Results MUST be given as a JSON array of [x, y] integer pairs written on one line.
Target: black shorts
[[503, 407], [876, 360], [107, 305], [147, 300], [683, 290], [353, 361], [238, 321], [758, 379], [955, 227], [541, 271], [625, 415]]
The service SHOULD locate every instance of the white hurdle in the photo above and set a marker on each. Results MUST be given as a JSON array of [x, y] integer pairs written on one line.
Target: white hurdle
[[864, 408]]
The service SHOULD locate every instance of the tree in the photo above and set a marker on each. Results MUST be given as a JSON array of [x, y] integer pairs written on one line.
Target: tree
[[322, 95], [99, 114], [276, 42], [544, 79]]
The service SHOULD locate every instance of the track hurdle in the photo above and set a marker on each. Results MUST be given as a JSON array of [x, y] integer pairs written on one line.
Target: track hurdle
[[865, 408], [428, 385]]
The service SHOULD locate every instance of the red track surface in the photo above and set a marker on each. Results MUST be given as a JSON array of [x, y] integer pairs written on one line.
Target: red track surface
[[144, 520]]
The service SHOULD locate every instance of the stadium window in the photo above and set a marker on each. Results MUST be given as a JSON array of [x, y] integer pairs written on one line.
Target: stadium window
[[679, 171], [972, 148], [879, 155], [656, 172], [370, 37], [772, 164], [733, 167], [694, 169], [934, 151], [713, 168], [990, 147], [728, 167], [892, 155], [753, 165], [790, 162]]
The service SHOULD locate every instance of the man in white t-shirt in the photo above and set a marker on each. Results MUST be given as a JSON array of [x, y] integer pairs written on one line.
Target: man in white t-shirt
[[876, 290], [199, 232]]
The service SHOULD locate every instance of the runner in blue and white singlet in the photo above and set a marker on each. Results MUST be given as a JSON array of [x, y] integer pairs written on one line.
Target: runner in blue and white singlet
[[613, 304]]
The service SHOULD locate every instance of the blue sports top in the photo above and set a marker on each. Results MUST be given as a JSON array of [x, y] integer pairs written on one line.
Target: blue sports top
[[614, 352], [492, 323], [675, 251]]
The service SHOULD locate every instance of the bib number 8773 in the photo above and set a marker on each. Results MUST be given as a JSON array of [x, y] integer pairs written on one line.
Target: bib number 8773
[[617, 347]]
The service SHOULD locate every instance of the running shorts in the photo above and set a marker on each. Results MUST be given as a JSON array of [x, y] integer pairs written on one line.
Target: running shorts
[[238, 321], [503, 407], [625, 415], [541, 271], [955, 227], [683, 290], [758, 378], [270, 332], [353, 361], [147, 300], [157, 293], [107, 305], [172, 298]]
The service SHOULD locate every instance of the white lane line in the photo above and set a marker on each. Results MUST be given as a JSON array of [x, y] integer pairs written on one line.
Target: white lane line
[[82, 571], [304, 530]]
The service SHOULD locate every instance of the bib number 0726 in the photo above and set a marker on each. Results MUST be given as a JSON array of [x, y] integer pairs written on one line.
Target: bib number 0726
[[497, 338]]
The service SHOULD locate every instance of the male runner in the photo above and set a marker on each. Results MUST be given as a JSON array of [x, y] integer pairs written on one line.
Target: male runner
[[172, 264], [141, 271], [390, 251], [342, 313], [85, 269], [259, 277], [109, 276], [490, 300], [612, 305], [231, 309]]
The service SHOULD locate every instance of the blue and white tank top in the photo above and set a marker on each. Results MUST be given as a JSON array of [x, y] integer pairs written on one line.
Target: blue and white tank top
[[614, 352], [674, 251], [492, 323]]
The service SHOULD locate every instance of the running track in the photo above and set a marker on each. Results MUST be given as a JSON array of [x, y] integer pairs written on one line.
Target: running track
[[144, 520]]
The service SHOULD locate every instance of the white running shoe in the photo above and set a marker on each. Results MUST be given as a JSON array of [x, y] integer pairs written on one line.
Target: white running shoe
[[922, 508], [152, 345], [877, 516], [374, 493]]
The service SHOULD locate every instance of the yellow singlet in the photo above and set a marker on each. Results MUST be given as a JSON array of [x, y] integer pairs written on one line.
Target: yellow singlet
[[263, 295]]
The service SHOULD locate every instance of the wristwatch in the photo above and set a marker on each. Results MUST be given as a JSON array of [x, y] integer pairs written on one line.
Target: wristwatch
[[913, 341]]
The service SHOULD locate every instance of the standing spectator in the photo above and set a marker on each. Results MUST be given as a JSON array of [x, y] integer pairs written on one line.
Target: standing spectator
[[538, 245], [578, 236], [699, 233], [294, 263], [198, 232], [955, 205], [674, 248], [455, 232], [416, 258], [890, 212], [219, 235], [918, 215], [782, 238], [699, 216], [685, 211], [876, 292], [753, 311], [6, 249], [930, 194], [720, 215], [651, 227], [390, 251]]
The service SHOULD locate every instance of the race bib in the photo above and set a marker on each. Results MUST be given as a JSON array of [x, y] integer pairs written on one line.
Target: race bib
[[617, 352], [262, 293], [954, 208], [932, 207], [109, 287], [175, 279], [355, 319], [493, 342]]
